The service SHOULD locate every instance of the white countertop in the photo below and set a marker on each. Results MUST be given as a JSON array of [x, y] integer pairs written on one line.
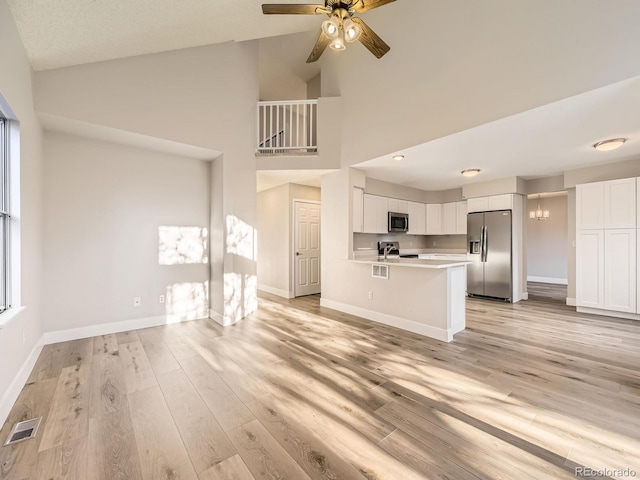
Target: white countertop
[[415, 262]]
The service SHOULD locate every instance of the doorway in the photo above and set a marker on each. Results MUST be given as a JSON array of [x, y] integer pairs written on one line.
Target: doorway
[[306, 247], [547, 246]]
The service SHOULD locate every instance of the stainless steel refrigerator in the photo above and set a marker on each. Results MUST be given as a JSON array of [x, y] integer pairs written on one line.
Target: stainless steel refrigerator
[[489, 249]]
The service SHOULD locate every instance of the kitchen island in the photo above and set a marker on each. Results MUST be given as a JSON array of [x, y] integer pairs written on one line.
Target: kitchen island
[[422, 296]]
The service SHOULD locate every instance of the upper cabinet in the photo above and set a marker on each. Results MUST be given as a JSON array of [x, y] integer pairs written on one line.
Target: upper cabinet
[[620, 203], [590, 206], [417, 218], [398, 206], [370, 215], [449, 218], [606, 205], [491, 203], [375, 214], [434, 219], [358, 209], [461, 218]]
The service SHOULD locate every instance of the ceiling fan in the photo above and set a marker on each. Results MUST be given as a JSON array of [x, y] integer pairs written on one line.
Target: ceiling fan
[[341, 27]]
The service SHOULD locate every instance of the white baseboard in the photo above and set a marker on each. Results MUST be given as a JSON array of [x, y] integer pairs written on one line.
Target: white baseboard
[[571, 301], [11, 395], [391, 320], [114, 327], [556, 281], [609, 313], [219, 318], [275, 291]]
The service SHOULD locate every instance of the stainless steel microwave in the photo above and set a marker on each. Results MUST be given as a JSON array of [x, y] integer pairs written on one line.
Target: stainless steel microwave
[[398, 222]]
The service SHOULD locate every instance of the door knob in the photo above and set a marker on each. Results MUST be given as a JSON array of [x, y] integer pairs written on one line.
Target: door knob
[[298, 253]]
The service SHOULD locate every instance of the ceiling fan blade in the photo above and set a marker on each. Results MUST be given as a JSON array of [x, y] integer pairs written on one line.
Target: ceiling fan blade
[[318, 48], [289, 9], [371, 40], [366, 5]]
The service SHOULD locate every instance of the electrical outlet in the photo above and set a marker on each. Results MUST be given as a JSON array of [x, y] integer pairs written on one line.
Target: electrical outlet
[[137, 301], [434, 243], [370, 295], [161, 299]]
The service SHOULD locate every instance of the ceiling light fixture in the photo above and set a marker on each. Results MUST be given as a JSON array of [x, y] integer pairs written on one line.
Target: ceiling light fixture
[[470, 172], [352, 30], [397, 158], [538, 213], [331, 27], [611, 144], [338, 43]]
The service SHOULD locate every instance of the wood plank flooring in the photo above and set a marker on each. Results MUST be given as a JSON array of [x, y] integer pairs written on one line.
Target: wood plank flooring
[[528, 391]]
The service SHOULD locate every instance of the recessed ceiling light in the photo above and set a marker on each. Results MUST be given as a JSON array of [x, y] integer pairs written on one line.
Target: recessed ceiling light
[[470, 172], [611, 144], [397, 158]]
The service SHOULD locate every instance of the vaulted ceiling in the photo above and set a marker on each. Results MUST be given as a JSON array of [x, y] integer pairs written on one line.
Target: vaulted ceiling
[[514, 87]]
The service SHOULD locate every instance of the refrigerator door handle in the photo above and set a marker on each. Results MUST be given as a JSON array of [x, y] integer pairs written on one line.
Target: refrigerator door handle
[[483, 244]]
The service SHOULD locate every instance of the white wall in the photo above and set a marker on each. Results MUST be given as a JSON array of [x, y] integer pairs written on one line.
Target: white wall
[[275, 242], [204, 97], [547, 254], [431, 68], [104, 204], [15, 88]]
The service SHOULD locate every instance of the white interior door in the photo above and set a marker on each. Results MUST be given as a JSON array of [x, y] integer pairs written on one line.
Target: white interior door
[[306, 248]]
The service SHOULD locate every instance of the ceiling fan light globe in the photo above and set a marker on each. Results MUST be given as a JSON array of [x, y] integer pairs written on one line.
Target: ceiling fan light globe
[[330, 28], [352, 31], [338, 44]]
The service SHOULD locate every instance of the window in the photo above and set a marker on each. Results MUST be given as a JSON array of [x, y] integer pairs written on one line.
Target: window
[[5, 217]]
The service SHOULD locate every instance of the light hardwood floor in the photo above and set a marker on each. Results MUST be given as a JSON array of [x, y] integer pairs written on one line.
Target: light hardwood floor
[[528, 391]]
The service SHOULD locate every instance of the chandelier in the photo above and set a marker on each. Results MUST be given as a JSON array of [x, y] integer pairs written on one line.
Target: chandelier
[[539, 213]]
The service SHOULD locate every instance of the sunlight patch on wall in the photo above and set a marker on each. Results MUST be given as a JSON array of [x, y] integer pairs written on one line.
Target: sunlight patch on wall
[[182, 245], [187, 301], [240, 296], [241, 238]]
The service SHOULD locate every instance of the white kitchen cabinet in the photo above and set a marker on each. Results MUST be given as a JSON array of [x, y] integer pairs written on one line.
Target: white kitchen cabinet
[[620, 203], [590, 268], [461, 218], [434, 219], [449, 218], [620, 270], [417, 218], [590, 206], [398, 206], [638, 202], [490, 203], [478, 204], [358, 209], [375, 214]]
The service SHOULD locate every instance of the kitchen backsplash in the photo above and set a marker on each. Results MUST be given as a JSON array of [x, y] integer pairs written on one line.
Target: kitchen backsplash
[[445, 242]]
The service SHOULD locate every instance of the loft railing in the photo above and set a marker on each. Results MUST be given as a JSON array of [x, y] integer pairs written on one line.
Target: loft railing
[[287, 128]]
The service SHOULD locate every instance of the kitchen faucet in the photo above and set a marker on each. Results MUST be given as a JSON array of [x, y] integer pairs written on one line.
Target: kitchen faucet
[[387, 249]]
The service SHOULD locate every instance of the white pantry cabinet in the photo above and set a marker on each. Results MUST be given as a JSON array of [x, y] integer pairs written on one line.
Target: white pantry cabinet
[[417, 218], [358, 209], [607, 264], [590, 268], [620, 270], [620, 203], [434, 219], [375, 214]]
